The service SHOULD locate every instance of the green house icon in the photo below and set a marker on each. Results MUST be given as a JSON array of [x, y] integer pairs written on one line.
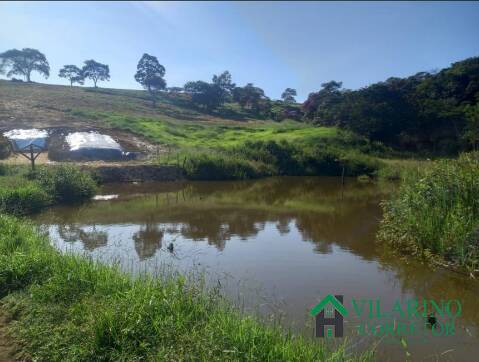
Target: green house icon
[[329, 299], [322, 321]]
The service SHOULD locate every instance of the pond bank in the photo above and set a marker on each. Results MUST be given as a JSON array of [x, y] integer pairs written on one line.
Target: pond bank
[[88, 310], [7, 345], [135, 173]]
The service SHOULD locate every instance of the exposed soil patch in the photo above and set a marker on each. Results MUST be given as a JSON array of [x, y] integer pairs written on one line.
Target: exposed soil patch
[[58, 149], [7, 346]]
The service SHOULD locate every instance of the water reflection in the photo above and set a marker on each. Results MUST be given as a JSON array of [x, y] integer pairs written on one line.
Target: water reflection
[[148, 240], [217, 212], [91, 239]]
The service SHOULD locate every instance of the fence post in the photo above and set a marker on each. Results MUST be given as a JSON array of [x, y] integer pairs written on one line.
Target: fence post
[[32, 159]]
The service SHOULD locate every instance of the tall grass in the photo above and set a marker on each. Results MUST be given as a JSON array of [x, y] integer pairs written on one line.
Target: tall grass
[[435, 213], [70, 308], [269, 158]]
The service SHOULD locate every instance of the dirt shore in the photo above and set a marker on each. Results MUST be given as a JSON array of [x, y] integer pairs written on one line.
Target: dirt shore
[[7, 346]]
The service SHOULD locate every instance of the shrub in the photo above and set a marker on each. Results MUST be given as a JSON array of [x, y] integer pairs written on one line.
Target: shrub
[[23, 199], [222, 167], [268, 158], [3, 169], [4, 148], [321, 160], [436, 212], [66, 183]]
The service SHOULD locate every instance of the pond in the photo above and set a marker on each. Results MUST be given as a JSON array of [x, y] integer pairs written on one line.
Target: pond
[[275, 246]]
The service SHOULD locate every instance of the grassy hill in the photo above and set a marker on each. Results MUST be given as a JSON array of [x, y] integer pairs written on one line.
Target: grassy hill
[[229, 142], [173, 121]]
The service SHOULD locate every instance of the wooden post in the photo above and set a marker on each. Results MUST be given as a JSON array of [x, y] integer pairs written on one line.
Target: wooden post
[[32, 158]]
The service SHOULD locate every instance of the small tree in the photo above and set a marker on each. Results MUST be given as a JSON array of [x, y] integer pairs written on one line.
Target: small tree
[[95, 71], [288, 95], [150, 74], [24, 62], [72, 73]]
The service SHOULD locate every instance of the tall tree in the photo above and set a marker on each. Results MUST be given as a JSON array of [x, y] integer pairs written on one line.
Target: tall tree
[[72, 73], [24, 62], [150, 74], [288, 95], [223, 81], [251, 97], [319, 106], [96, 71], [207, 95]]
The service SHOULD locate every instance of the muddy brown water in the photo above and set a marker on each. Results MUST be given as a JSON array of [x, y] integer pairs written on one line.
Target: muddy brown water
[[276, 246]]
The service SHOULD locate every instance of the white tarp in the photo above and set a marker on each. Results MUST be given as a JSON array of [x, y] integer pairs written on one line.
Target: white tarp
[[23, 138], [91, 140]]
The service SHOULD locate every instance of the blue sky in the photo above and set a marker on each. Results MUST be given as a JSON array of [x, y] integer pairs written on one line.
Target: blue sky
[[273, 45]]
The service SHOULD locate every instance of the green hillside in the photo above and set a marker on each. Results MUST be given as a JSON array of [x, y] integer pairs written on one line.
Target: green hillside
[[228, 142], [174, 120]]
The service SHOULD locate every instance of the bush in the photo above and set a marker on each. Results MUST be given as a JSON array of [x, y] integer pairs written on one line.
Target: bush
[[319, 160], [23, 199], [270, 158], [436, 212], [4, 148], [66, 183], [3, 169], [222, 167]]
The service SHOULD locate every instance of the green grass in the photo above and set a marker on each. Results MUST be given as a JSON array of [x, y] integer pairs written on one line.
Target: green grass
[[398, 169], [212, 134], [435, 213], [66, 307]]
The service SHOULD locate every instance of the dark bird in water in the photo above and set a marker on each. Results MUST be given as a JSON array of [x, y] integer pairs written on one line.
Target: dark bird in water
[[431, 319], [170, 247]]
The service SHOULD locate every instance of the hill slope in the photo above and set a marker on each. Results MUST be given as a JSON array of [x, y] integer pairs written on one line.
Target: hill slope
[[226, 144], [173, 121]]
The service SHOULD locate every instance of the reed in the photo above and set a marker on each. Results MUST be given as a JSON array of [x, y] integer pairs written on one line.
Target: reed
[[435, 213]]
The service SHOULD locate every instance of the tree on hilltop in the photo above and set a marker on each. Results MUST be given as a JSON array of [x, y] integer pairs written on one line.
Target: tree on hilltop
[[150, 74], [96, 71], [72, 73], [288, 95], [24, 62]]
